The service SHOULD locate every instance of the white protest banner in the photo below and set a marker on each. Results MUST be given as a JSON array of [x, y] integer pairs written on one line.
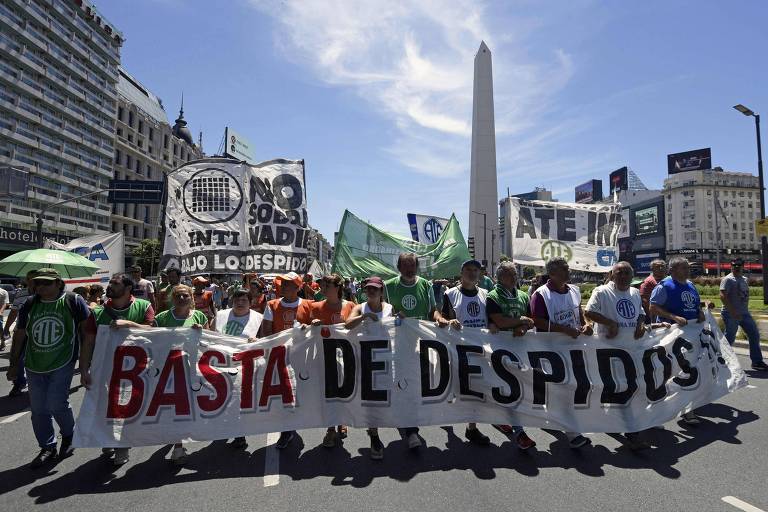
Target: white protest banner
[[425, 228], [158, 386], [224, 216], [107, 251], [584, 234]]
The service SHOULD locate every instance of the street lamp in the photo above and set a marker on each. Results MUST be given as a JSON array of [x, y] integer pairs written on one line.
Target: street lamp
[[764, 242], [485, 237]]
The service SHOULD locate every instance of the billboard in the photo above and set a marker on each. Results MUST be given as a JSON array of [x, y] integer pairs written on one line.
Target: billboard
[[589, 192], [618, 180], [237, 146], [647, 221], [624, 230], [107, 251], [695, 160]]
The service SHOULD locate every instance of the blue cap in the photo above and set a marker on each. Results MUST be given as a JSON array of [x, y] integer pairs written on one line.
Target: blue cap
[[471, 262]]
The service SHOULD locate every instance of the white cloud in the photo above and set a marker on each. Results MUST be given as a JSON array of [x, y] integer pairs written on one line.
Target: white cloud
[[413, 61]]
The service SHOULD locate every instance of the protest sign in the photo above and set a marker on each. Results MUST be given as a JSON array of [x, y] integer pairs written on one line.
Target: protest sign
[[363, 250], [157, 386], [224, 216], [106, 251], [425, 228], [584, 234]]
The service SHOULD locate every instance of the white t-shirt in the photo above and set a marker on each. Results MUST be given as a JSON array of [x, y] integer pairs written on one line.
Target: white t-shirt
[[247, 325], [386, 310], [269, 314], [623, 307], [143, 289]]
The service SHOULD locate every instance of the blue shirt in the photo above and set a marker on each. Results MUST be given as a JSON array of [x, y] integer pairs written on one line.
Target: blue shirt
[[680, 299]]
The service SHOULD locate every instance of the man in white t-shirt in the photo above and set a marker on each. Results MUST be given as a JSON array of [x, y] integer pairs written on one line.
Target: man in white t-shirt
[[144, 288]]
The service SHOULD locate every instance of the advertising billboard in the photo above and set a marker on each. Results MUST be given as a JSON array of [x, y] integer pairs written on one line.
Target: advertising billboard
[[695, 160], [618, 180], [237, 146], [646, 221], [589, 192]]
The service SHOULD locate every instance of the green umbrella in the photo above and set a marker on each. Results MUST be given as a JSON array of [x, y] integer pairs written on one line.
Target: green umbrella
[[68, 264]]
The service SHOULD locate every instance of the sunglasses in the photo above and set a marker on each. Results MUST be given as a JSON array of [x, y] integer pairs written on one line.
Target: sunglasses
[[182, 296]]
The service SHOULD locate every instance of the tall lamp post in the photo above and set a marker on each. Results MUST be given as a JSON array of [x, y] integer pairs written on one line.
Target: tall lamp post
[[764, 242], [485, 238]]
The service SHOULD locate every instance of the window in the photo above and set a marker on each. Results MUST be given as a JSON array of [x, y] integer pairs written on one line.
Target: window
[[130, 119], [138, 166], [118, 156], [135, 231], [141, 126], [165, 141], [151, 133], [120, 113]]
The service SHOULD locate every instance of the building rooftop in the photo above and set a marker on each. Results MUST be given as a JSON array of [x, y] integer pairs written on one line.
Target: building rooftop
[[132, 90]]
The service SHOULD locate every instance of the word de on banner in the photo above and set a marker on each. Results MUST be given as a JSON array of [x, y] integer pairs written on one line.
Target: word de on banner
[[584, 234], [224, 216], [158, 386]]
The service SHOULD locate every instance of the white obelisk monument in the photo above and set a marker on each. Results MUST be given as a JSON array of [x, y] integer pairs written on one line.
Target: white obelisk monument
[[483, 192]]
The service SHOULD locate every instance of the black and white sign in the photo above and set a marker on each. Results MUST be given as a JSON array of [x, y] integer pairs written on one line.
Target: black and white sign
[[696, 160], [647, 221], [224, 217]]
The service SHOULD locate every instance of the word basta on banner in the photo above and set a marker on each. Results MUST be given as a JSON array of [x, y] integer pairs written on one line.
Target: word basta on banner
[[157, 386], [586, 235], [362, 250], [226, 216]]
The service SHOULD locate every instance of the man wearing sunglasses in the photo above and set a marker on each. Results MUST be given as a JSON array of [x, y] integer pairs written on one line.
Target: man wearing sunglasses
[[734, 292], [51, 327]]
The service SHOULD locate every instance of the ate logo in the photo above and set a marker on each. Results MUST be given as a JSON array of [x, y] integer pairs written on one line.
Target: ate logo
[[473, 308], [409, 302], [625, 309], [47, 332], [689, 300]]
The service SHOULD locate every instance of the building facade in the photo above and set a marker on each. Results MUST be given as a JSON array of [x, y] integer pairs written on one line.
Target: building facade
[[705, 207], [58, 97], [147, 147], [319, 248]]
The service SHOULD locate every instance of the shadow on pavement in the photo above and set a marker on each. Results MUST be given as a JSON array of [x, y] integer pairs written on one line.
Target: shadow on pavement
[[218, 460]]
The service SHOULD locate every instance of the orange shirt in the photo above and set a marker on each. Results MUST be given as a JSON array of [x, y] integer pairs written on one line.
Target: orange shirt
[[323, 312], [283, 317], [203, 302]]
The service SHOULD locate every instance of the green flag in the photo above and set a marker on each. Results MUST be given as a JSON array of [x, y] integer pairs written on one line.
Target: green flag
[[362, 250]]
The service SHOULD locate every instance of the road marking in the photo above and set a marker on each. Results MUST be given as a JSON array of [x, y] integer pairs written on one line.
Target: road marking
[[13, 417], [741, 505], [272, 461], [750, 386]]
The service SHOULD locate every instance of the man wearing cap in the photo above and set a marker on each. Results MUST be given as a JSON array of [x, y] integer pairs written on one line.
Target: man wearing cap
[[144, 288], [411, 296], [51, 327], [121, 310], [734, 292], [20, 382], [283, 313], [204, 298], [464, 306]]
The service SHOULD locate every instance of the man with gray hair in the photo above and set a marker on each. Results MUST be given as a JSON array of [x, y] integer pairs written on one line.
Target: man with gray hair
[[658, 272], [556, 307]]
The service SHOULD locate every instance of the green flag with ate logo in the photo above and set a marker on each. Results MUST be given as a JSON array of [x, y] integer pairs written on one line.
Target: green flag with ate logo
[[362, 250]]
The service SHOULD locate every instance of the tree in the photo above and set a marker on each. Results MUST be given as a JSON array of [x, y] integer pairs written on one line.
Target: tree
[[147, 256]]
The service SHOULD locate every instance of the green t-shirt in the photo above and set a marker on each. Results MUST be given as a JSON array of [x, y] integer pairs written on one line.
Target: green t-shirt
[[51, 336], [485, 283], [166, 319], [511, 305], [414, 301], [135, 312]]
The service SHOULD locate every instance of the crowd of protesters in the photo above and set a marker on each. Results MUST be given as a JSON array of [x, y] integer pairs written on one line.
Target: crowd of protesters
[[55, 329]]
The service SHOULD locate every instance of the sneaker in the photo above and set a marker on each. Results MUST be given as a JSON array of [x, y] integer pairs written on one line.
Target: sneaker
[[66, 450], [413, 441], [329, 441], [16, 390], [285, 440], [239, 443], [46, 456], [690, 418], [634, 442], [475, 436], [121, 456], [524, 442], [760, 366], [179, 456], [377, 448], [579, 441]]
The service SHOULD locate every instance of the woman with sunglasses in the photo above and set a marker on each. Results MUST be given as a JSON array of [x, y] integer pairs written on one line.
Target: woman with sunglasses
[[374, 309], [181, 314]]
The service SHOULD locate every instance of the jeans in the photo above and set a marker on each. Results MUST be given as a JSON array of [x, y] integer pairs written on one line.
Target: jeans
[[49, 400], [21, 378], [750, 329]]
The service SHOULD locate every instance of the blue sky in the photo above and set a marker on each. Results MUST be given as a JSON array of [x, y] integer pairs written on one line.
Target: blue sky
[[376, 96]]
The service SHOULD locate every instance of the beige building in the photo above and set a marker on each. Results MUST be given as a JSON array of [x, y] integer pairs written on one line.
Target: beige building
[[146, 148]]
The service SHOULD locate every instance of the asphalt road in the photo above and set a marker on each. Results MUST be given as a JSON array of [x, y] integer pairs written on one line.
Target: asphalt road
[[688, 469]]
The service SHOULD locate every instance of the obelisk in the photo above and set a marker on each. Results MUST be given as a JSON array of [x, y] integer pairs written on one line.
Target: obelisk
[[483, 192]]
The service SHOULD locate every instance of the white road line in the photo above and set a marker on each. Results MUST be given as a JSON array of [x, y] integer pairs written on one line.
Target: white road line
[[272, 461], [13, 417], [741, 505], [750, 386]]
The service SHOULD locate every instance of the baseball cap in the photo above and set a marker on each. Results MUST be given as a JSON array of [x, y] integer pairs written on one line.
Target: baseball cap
[[471, 262], [290, 276], [738, 262], [135, 268], [374, 281], [199, 280], [50, 274]]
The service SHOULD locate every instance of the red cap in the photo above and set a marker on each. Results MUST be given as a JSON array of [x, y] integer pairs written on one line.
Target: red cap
[[375, 281]]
